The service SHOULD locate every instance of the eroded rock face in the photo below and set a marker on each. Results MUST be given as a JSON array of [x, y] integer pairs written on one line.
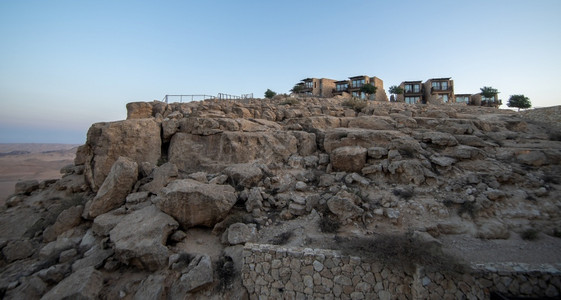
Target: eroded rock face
[[193, 203], [140, 238], [83, 284], [137, 139], [212, 152], [115, 188]]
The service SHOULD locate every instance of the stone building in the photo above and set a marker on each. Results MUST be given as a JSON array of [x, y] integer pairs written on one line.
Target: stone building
[[353, 85], [319, 87], [480, 100], [463, 98], [439, 90], [413, 92]]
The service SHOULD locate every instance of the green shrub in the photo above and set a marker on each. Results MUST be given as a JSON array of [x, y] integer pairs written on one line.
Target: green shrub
[[269, 94]]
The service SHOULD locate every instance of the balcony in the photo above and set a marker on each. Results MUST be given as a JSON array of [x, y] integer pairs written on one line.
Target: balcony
[[436, 89]]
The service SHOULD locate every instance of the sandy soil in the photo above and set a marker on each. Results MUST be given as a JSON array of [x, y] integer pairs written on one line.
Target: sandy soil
[[43, 161]]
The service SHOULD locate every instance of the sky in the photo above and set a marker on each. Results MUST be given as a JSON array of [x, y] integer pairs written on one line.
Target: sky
[[65, 65]]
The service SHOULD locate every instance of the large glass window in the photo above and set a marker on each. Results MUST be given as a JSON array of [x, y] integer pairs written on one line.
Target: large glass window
[[416, 88], [439, 85], [412, 100], [408, 88], [462, 99], [341, 87], [308, 84], [412, 88], [356, 83], [445, 98]]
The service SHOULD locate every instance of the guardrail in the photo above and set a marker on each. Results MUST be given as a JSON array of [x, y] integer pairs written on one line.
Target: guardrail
[[189, 98]]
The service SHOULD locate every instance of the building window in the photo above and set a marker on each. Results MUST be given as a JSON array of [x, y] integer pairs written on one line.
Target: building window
[[462, 99], [439, 85], [412, 100], [358, 95], [445, 98], [341, 87], [412, 88], [308, 84], [491, 99], [356, 83]]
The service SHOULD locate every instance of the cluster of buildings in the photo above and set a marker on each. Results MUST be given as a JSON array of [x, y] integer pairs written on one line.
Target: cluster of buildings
[[434, 90]]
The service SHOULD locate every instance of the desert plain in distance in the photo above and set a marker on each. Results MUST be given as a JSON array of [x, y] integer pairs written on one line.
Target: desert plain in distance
[[20, 162]]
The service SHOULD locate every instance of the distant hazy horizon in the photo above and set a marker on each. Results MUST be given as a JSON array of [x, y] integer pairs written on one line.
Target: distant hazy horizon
[[65, 65]]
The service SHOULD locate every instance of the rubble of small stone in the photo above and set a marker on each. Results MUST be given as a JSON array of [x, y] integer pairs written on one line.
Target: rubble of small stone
[[158, 206]]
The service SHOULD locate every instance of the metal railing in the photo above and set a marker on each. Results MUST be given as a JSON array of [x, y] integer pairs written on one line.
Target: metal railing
[[186, 98], [189, 98]]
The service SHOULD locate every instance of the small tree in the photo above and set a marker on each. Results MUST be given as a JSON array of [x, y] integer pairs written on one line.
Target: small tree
[[519, 101], [368, 89], [396, 90], [297, 88], [488, 93], [269, 94]]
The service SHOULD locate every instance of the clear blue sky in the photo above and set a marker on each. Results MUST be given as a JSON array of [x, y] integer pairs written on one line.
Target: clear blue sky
[[67, 64]]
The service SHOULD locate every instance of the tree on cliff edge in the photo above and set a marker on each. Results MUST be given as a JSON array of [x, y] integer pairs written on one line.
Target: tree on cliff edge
[[519, 101], [395, 90], [368, 89], [269, 94]]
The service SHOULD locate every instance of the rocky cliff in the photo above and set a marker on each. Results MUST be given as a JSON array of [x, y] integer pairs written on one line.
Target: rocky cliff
[[158, 205]]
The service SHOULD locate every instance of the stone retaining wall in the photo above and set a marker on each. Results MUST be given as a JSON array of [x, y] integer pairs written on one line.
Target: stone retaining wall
[[273, 272]]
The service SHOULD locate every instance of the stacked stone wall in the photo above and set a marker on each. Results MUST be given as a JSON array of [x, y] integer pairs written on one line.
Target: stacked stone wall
[[273, 272]]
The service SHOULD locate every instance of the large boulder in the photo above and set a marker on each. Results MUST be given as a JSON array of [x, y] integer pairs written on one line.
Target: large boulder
[[83, 284], [193, 203], [197, 275], [66, 220], [139, 110], [141, 236], [115, 188], [349, 159], [244, 175], [137, 139], [344, 205], [239, 233]]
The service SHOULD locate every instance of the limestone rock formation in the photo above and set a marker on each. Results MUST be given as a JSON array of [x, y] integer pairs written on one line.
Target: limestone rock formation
[[137, 139], [295, 172]]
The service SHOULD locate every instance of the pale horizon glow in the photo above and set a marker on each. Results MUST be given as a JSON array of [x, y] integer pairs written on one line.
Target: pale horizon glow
[[65, 65]]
